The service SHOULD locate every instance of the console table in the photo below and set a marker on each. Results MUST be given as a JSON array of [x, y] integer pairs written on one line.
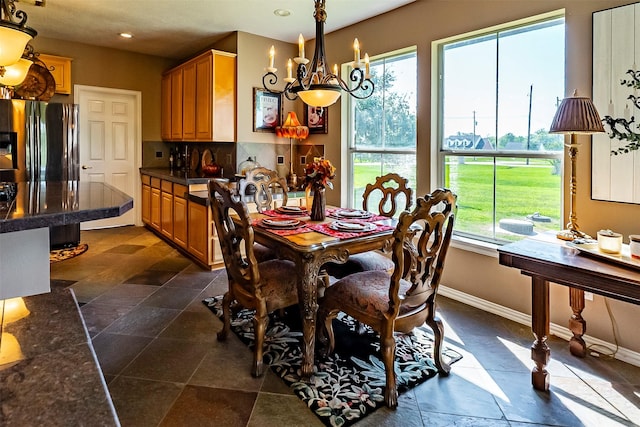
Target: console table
[[545, 262]]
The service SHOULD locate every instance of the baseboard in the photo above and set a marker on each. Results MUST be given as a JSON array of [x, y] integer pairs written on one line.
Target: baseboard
[[623, 354]]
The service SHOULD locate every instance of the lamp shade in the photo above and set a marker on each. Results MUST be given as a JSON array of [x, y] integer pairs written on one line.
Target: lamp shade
[[12, 44], [291, 128], [320, 97], [576, 114], [16, 73]]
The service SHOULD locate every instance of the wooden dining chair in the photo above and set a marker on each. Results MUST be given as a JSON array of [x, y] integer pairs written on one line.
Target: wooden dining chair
[[265, 181], [392, 194], [261, 286], [404, 299]]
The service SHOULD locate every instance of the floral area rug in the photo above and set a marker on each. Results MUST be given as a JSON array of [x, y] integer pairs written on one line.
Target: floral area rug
[[58, 255], [349, 384]]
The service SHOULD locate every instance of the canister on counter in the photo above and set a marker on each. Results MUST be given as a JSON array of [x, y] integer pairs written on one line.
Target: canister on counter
[[609, 241], [634, 246]]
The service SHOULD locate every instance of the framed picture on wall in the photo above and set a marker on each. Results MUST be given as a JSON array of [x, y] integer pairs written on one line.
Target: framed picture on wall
[[267, 110], [316, 119]]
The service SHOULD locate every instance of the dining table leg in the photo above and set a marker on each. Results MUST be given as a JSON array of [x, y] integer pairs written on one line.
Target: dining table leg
[[308, 299], [540, 352]]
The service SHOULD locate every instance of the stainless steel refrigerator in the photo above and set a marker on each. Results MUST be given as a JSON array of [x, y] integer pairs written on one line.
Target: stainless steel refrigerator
[[39, 142]]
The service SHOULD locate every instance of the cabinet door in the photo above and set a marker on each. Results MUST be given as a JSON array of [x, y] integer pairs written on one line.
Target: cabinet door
[[198, 231], [176, 104], [180, 220], [189, 95], [146, 204], [204, 96], [166, 215], [165, 118], [155, 208], [224, 97]]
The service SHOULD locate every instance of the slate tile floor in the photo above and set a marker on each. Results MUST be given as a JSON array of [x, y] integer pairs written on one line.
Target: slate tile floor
[[155, 341]]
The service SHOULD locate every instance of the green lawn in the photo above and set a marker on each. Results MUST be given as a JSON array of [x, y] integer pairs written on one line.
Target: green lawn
[[520, 190]]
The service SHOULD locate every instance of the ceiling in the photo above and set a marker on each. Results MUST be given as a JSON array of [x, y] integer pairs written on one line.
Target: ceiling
[[179, 28]]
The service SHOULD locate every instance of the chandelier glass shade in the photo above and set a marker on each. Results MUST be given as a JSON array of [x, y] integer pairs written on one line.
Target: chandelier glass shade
[[315, 83], [16, 73], [14, 35]]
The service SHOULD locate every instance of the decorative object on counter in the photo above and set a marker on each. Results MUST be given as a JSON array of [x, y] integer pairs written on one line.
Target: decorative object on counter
[[246, 166], [267, 110], [209, 165], [292, 129], [575, 115], [609, 241], [317, 119], [318, 85], [634, 246], [194, 160], [319, 174], [14, 36]]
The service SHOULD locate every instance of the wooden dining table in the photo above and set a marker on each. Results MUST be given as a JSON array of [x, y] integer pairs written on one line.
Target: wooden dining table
[[310, 249]]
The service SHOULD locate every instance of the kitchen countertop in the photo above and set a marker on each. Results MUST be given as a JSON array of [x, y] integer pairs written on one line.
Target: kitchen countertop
[[54, 379], [200, 197], [40, 204]]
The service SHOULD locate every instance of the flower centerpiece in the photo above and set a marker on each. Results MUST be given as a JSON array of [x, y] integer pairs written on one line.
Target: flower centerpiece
[[318, 176]]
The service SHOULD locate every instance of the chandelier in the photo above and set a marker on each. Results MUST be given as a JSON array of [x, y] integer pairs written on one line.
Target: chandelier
[[14, 35], [317, 85]]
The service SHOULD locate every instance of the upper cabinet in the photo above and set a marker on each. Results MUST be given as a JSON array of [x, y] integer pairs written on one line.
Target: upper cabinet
[[60, 68], [199, 99]]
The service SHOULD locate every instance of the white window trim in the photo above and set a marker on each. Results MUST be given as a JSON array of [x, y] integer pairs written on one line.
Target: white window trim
[[437, 155]]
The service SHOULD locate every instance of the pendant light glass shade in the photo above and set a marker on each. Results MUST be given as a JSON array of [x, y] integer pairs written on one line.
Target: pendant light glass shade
[[12, 44], [16, 73], [319, 97]]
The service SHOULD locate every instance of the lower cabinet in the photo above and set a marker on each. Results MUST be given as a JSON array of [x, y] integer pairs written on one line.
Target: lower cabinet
[[167, 210], [180, 219]]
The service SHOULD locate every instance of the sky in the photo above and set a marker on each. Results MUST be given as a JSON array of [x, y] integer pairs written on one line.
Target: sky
[[529, 63]]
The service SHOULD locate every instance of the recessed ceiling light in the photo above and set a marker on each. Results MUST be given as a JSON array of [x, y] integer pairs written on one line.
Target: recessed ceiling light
[[126, 35], [282, 12]]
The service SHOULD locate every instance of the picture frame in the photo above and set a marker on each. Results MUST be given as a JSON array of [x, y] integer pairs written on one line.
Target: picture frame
[[316, 119], [267, 110]]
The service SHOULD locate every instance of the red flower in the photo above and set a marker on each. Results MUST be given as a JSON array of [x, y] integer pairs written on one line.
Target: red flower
[[320, 172]]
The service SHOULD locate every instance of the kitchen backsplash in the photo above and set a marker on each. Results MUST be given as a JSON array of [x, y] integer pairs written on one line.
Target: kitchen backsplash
[[155, 154]]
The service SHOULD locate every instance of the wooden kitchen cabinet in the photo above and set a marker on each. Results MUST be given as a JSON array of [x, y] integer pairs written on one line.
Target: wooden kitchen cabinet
[[199, 234], [60, 68], [201, 97], [166, 209], [155, 208], [180, 216], [146, 199]]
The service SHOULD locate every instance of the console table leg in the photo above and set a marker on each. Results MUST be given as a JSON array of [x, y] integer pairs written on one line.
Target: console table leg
[[577, 324], [540, 352]]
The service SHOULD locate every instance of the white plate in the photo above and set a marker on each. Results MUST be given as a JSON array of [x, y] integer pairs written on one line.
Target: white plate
[[292, 208], [280, 223], [353, 213], [354, 227]]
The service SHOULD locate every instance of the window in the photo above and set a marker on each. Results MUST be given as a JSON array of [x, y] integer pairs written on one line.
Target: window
[[497, 94], [382, 137]]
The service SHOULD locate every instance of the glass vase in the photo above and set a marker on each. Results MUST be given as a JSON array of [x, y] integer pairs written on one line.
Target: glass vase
[[318, 206]]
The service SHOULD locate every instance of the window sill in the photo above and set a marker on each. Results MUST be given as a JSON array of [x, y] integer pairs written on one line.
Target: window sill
[[477, 246]]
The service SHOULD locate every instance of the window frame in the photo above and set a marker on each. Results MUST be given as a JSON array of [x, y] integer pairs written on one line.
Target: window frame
[[348, 116], [439, 153]]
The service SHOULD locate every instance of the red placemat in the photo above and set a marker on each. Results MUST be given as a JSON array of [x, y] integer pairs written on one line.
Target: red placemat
[[325, 229]]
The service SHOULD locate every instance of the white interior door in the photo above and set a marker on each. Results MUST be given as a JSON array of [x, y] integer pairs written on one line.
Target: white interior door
[[110, 145]]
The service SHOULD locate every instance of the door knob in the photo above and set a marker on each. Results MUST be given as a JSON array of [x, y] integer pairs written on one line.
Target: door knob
[[87, 167]]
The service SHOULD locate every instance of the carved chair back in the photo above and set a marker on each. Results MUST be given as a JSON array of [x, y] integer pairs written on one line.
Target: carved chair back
[[236, 241], [392, 193], [265, 181]]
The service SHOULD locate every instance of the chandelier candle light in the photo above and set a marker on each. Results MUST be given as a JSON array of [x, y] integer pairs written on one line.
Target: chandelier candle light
[[292, 129], [317, 85], [575, 115]]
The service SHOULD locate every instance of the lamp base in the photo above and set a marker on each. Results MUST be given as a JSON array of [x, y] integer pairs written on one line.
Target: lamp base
[[570, 235], [292, 181]]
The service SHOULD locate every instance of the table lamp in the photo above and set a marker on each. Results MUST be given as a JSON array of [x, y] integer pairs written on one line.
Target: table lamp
[[292, 129], [575, 115]]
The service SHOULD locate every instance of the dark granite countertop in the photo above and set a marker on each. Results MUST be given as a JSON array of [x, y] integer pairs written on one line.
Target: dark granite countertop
[[52, 376], [42, 204], [178, 176]]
